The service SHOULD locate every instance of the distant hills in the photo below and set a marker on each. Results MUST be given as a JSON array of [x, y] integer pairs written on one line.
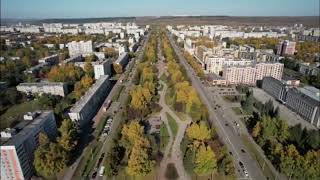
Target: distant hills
[[310, 21]]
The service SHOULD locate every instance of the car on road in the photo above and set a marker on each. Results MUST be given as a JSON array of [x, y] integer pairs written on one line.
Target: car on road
[[94, 174], [241, 164], [230, 153], [243, 151]]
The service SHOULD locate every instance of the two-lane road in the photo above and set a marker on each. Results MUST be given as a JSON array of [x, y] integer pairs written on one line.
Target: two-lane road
[[227, 134]]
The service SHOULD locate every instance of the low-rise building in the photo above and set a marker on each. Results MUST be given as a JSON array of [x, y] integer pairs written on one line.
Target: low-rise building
[[54, 88], [87, 106], [19, 144], [306, 103]]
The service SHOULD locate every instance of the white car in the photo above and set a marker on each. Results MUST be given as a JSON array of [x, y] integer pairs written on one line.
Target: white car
[[101, 171], [246, 173]]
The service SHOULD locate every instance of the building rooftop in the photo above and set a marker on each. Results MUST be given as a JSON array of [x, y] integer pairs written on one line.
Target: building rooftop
[[121, 57], [311, 91], [24, 128], [43, 84], [87, 96]]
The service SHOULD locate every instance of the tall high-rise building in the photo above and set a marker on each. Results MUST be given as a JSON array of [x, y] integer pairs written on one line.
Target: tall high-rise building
[[286, 48]]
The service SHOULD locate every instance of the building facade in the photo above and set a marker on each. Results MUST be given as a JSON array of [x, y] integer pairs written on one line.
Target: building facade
[[275, 88], [305, 105], [85, 109], [286, 48], [54, 88], [80, 48], [102, 68], [17, 153]]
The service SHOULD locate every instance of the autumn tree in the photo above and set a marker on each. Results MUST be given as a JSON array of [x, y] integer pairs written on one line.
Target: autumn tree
[[91, 58], [205, 161], [65, 73], [88, 69], [69, 136], [199, 131], [139, 162], [117, 68]]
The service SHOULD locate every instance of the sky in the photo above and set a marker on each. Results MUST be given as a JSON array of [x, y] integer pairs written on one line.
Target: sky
[[40, 9]]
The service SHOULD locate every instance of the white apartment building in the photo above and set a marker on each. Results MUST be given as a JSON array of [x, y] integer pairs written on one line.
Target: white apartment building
[[87, 106], [250, 74], [274, 70], [214, 64], [54, 88], [17, 152], [77, 48], [102, 68]]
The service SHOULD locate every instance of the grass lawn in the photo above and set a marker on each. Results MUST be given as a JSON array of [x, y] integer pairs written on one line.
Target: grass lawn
[[164, 137], [239, 111], [117, 95], [88, 160], [173, 124], [122, 175], [214, 176], [256, 155], [15, 113], [164, 78], [181, 115], [100, 127]]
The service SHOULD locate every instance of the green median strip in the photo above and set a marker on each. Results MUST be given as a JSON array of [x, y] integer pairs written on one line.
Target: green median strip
[[173, 124], [257, 156]]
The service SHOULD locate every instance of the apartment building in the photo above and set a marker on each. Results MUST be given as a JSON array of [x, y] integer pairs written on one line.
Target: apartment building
[[87, 106], [54, 88], [240, 75], [214, 64], [250, 74], [102, 68], [286, 48], [123, 59], [19, 144], [269, 69], [80, 48], [50, 59]]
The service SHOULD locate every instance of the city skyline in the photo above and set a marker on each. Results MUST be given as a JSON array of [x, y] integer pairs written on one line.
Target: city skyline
[[36, 9]]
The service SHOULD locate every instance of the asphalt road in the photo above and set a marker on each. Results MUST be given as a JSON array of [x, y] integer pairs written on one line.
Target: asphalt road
[[228, 135], [127, 78]]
